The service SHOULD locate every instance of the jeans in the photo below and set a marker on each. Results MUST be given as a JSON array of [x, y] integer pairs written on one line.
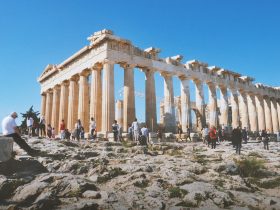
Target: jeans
[[213, 143]]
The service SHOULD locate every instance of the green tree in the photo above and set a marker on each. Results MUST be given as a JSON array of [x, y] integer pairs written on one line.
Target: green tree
[[29, 113]]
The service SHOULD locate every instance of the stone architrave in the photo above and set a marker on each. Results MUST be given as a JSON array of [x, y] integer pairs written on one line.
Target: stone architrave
[[151, 116], [169, 109], [224, 106], [128, 96], [83, 103], [274, 116], [213, 117], [199, 101], [260, 112], [234, 108], [185, 104], [119, 112], [96, 96], [55, 109], [73, 103], [49, 99], [267, 110], [108, 97], [253, 119], [63, 106], [243, 109], [43, 104]]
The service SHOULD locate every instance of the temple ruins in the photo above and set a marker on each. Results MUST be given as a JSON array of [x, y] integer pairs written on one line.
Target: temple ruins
[[67, 94]]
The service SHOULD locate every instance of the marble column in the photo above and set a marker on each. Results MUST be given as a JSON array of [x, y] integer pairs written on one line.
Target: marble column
[[234, 108], [108, 97], [253, 119], [274, 116], [278, 111], [213, 117], [119, 112], [185, 104], [243, 109], [150, 94], [96, 96], [199, 100], [49, 98], [260, 112], [267, 110], [43, 104], [128, 96], [169, 109], [224, 106], [63, 106], [55, 108], [161, 112], [73, 103], [83, 103]]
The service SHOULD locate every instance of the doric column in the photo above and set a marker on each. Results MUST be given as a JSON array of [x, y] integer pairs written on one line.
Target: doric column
[[169, 109], [234, 108], [243, 109], [63, 106], [199, 100], [213, 117], [224, 106], [278, 110], [128, 96], [260, 112], [108, 97], [83, 103], [267, 110], [151, 115], [43, 104], [253, 120], [161, 112], [185, 103], [72, 103], [119, 112], [275, 125], [55, 108], [49, 99], [96, 96]]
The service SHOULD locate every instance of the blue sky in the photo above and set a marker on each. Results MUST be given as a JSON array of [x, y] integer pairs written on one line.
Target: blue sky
[[242, 36]]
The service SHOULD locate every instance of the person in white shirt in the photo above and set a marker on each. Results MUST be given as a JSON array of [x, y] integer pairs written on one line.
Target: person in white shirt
[[10, 129], [29, 124], [92, 127], [145, 132], [135, 128]]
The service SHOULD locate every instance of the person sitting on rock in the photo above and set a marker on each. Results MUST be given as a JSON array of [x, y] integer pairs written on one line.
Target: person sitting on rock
[[10, 129]]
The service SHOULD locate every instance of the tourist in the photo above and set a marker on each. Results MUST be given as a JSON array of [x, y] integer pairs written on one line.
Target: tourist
[[42, 126], [49, 131], [130, 132], [82, 133], [115, 129], [77, 131], [220, 136], [205, 135], [179, 130], [265, 139], [159, 134], [92, 128], [53, 133], [62, 129], [10, 129], [213, 137], [145, 133], [135, 127], [244, 135], [67, 134], [120, 131], [237, 139], [29, 124], [188, 134]]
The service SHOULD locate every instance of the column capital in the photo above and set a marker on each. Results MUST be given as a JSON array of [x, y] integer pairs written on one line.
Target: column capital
[[106, 61], [49, 91], [127, 65], [184, 77], [65, 83], [74, 78], [166, 74], [43, 94], [85, 73], [56, 87]]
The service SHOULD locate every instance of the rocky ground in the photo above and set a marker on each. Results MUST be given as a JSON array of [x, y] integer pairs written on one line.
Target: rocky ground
[[104, 175]]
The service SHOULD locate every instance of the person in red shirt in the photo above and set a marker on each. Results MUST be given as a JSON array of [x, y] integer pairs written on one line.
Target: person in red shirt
[[213, 137], [62, 129]]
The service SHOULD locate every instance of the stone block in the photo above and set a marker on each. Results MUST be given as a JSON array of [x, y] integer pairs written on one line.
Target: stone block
[[194, 136], [152, 135], [110, 137], [6, 148]]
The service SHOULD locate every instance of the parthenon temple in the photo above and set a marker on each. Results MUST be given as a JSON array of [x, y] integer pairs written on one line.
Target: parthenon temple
[[67, 93]]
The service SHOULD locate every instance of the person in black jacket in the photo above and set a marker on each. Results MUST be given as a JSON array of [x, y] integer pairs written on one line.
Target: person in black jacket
[[237, 139]]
